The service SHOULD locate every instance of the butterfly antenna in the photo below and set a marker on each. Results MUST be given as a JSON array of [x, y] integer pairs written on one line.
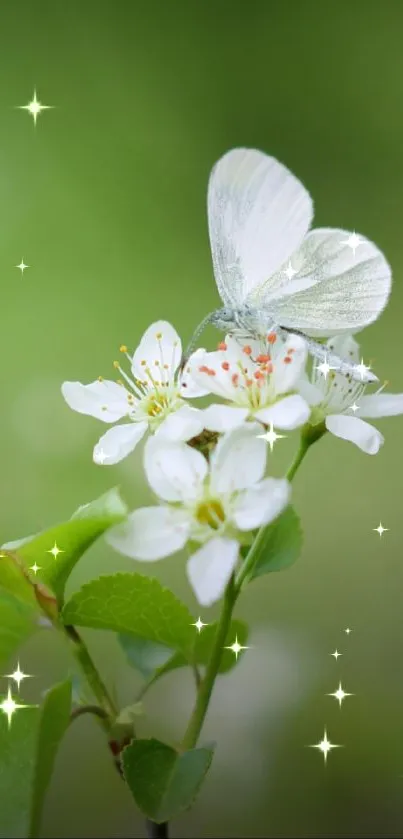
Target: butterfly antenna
[[196, 335]]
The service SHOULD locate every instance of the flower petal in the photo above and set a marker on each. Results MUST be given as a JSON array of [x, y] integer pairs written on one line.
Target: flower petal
[[381, 405], [361, 433], [261, 504], [103, 400], [287, 413], [150, 533], [159, 346], [346, 347], [174, 471], [239, 459], [189, 389], [289, 359], [183, 424], [118, 442], [210, 568], [224, 417], [313, 394]]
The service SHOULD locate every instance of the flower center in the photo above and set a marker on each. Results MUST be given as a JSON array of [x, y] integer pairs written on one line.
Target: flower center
[[211, 513], [156, 406]]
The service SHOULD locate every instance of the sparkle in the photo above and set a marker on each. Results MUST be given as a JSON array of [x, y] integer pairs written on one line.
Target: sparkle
[[55, 551], [347, 631], [354, 408], [199, 625], [22, 266], [236, 647], [271, 436], [353, 242], [18, 676], [325, 368], [34, 108], [340, 694], [336, 654], [362, 369], [100, 456], [290, 271], [35, 568], [9, 706], [325, 746], [380, 529]]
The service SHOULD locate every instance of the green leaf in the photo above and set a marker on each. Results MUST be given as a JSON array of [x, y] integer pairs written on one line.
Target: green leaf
[[154, 660], [18, 621], [163, 782], [72, 538], [281, 545], [15, 580], [27, 753], [135, 605], [53, 723]]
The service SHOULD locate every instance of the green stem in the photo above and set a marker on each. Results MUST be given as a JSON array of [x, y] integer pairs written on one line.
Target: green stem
[[94, 680], [303, 448], [206, 686]]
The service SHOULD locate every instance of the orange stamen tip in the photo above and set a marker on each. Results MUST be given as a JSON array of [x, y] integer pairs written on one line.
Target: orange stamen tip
[[247, 350], [272, 337], [235, 379], [123, 348], [287, 360], [269, 368], [263, 358], [225, 365], [258, 375], [222, 345], [203, 369], [211, 372]]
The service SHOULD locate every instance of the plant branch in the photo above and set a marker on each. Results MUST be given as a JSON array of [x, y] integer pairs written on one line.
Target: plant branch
[[94, 680]]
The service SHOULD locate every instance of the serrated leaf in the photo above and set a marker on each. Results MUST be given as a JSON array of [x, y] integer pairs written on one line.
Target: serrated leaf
[[72, 538], [18, 621], [281, 545], [155, 660], [53, 723], [27, 753], [132, 604], [164, 783]]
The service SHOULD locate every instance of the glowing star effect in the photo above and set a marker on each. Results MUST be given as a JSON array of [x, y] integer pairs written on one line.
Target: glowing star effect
[[324, 368], [34, 108], [55, 551], [336, 654], [380, 529], [353, 242], [100, 456], [362, 369], [236, 647], [354, 408], [199, 625], [340, 694], [18, 676], [325, 746], [271, 436], [35, 568], [9, 706], [290, 271], [347, 631], [22, 266]]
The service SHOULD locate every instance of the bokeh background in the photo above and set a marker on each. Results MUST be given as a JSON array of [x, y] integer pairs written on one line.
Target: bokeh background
[[105, 201]]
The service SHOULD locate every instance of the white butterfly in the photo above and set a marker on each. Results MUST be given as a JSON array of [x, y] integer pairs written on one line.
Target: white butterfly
[[272, 274]]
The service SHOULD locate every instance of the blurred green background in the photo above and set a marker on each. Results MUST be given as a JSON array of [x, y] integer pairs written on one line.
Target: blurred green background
[[105, 200]]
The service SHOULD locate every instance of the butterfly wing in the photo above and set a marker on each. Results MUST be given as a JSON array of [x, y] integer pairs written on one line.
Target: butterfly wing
[[258, 214], [343, 289]]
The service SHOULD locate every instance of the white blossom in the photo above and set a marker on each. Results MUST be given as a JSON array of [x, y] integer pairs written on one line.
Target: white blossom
[[151, 397], [212, 504], [341, 404]]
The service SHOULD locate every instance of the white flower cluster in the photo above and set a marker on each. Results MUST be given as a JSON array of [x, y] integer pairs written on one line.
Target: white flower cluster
[[211, 505]]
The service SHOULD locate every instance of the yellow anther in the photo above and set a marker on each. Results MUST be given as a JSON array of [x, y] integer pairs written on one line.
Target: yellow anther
[[157, 364], [100, 378], [123, 348], [158, 336], [143, 362], [116, 365], [119, 382]]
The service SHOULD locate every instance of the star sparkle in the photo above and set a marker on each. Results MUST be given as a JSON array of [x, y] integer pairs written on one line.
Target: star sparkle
[[55, 551], [340, 694], [347, 631], [354, 408], [353, 242], [9, 706], [271, 436], [325, 746], [325, 368], [336, 654], [34, 108], [362, 369], [380, 529], [22, 266], [199, 625], [100, 456], [18, 676], [236, 647], [35, 568], [290, 271]]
